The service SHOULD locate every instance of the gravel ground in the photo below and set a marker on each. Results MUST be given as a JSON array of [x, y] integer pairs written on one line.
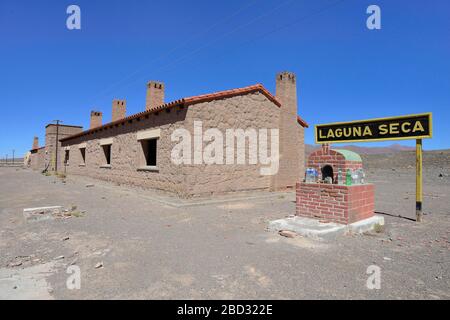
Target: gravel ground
[[217, 251]]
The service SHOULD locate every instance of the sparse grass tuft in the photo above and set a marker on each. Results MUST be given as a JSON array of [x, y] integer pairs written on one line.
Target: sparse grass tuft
[[378, 228], [76, 214]]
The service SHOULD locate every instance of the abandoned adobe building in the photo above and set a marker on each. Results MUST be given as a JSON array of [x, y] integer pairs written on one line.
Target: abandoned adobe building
[[136, 149], [44, 158]]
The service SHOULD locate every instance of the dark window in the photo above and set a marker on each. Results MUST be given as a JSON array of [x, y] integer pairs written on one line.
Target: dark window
[[83, 154], [149, 148], [107, 151], [66, 157]]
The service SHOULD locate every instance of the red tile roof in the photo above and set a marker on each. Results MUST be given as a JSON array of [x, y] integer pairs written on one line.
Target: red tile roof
[[190, 101], [36, 149]]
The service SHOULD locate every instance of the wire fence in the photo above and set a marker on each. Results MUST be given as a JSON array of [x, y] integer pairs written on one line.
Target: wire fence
[[11, 162]]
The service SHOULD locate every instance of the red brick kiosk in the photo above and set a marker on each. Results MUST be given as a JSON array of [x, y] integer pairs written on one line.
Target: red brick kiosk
[[334, 201]]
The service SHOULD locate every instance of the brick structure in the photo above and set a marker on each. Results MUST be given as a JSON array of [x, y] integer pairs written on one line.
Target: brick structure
[[37, 158], [96, 119], [36, 155], [44, 158], [35, 143], [155, 95], [291, 135], [334, 158], [118, 151], [332, 202], [335, 203], [119, 109]]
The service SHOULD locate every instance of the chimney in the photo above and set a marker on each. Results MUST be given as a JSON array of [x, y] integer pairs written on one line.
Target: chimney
[[119, 109], [96, 119], [286, 93], [35, 143], [290, 139], [155, 95]]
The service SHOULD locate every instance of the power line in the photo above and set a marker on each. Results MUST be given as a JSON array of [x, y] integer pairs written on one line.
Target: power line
[[211, 27], [290, 24], [216, 39]]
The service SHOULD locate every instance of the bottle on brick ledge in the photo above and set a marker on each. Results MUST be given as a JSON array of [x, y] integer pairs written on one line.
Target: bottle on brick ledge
[[339, 177], [309, 175], [355, 177], [348, 178]]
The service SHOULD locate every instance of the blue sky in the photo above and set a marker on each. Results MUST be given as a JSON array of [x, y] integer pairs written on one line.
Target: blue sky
[[344, 71]]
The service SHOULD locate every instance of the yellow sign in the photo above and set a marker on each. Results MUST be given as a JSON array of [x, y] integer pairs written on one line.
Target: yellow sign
[[417, 126]]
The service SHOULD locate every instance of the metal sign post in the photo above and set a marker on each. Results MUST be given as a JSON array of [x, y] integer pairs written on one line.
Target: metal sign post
[[419, 192], [56, 144], [416, 126]]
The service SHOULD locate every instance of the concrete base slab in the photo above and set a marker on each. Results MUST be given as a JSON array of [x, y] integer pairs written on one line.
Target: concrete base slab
[[314, 229]]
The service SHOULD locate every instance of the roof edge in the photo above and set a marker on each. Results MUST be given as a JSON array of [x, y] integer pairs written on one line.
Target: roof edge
[[63, 125], [190, 101]]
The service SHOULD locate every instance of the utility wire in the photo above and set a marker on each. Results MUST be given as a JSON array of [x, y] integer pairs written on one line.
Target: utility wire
[[174, 49], [290, 24], [216, 39], [287, 25]]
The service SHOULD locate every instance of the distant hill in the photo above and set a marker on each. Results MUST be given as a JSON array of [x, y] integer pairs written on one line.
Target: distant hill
[[393, 148]]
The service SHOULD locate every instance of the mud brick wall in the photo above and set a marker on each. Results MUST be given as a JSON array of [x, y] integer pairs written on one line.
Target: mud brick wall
[[253, 110], [292, 147], [50, 144], [335, 203], [37, 159]]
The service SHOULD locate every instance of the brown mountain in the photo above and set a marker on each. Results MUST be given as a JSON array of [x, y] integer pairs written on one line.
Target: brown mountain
[[393, 148]]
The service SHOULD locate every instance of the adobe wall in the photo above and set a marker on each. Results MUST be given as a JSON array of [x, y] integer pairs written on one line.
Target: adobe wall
[[37, 161], [240, 112], [50, 141], [126, 154], [247, 111]]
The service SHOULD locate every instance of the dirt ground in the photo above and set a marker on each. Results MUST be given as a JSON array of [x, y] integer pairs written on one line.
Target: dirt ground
[[145, 249]]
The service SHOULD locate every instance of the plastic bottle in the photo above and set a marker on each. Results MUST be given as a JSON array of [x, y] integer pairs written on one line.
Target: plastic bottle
[[355, 177], [339, 177], [309, 175], [348, 178]]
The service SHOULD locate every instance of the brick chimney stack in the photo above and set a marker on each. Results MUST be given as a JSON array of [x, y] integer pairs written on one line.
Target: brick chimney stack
[[290, 142], [326, 148], [119, 109], [35, 143], [96, 119], [155, 95]]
